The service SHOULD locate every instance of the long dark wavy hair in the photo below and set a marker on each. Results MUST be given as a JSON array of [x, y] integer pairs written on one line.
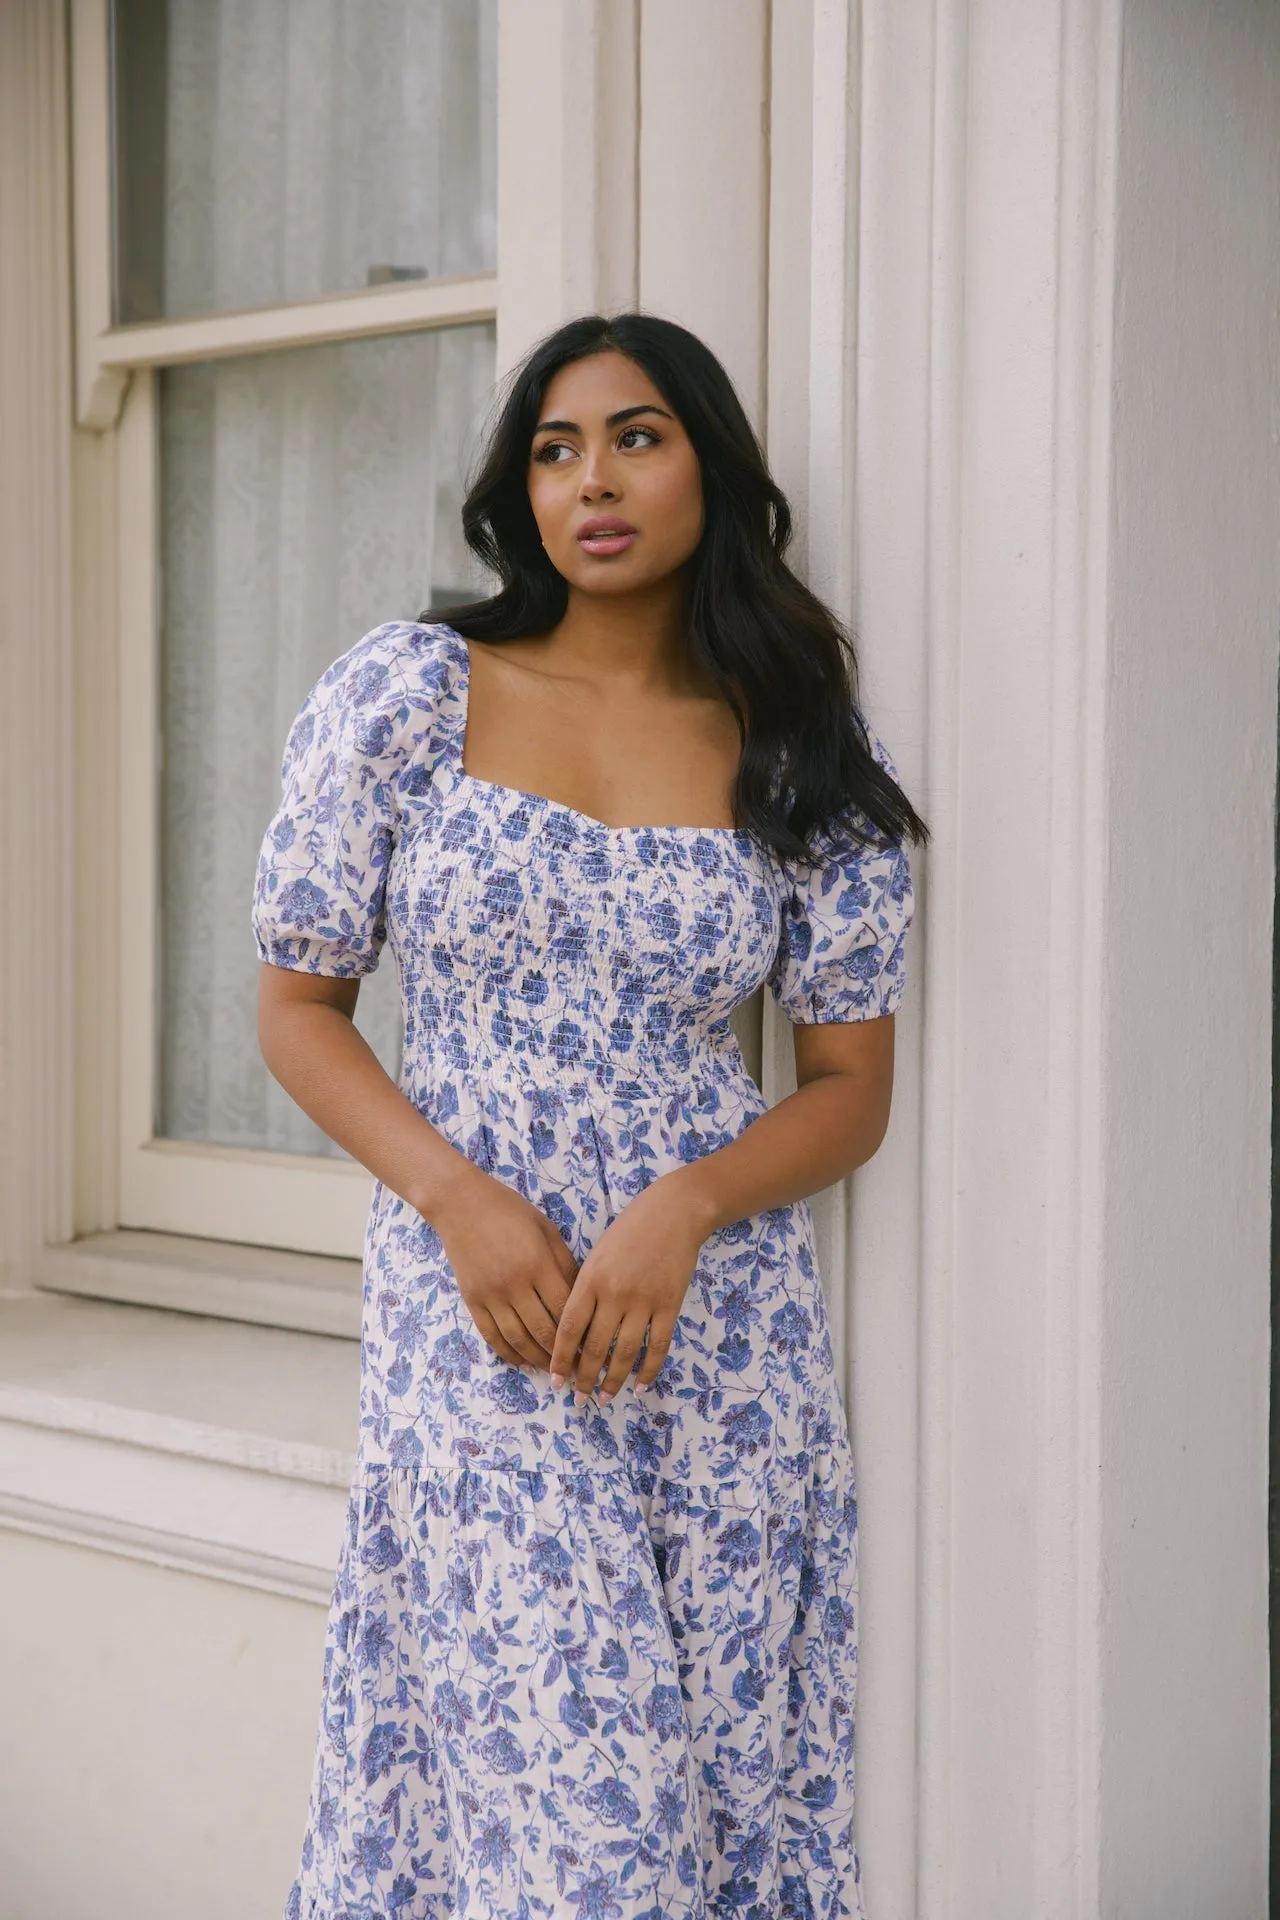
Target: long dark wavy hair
[[780, 657]]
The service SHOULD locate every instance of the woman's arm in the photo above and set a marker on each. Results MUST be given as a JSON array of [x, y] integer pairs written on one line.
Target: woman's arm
[[833, 1123], [637, 1274], [513, 1269]]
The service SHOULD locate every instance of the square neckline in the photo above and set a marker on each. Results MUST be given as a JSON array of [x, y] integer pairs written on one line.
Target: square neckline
[[499, 787]]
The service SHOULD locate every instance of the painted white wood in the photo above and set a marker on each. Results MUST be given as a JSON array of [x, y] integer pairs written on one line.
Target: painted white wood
[[904, 491], [703, 178], [399, 307], [936, 525], [990, 551], [567, 119], [138, 761], [98, 850], [1006, 1285], [100, 388], [36, 738], [617, 159], [232, 1195], [270, 1287], [790, 190], [1070, 1585], [833, 262]]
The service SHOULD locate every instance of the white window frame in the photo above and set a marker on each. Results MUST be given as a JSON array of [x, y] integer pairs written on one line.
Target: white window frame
[[552, 261], [308, 1203]]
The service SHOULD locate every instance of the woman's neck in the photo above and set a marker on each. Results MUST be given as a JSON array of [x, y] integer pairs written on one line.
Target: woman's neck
[[640, 637]]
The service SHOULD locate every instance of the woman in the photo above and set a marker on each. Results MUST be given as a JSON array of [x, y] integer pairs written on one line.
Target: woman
[[592, 1647]]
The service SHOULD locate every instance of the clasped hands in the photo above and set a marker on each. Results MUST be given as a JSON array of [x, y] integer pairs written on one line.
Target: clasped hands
[[535, 1306]]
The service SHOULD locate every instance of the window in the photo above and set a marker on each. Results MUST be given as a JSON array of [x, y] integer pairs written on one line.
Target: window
[[303, 498], [294, 148], [302, 298]]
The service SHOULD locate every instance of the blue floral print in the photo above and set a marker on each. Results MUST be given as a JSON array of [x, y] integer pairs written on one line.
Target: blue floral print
[[598, 1662]]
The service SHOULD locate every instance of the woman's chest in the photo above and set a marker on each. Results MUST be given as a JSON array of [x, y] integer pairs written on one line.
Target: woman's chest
[[522, 895]]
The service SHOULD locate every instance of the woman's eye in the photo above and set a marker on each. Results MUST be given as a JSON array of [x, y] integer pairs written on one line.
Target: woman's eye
[[547, 452], [648, 431]]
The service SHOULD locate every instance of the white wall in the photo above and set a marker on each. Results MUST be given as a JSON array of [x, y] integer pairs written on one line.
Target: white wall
[[158, 1734], [1191, 735]]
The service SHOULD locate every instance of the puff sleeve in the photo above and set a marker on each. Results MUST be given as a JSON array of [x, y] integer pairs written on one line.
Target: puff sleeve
[[319, 892], [844, 924]]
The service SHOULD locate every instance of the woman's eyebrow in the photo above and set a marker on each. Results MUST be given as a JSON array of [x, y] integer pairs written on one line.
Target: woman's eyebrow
[[611, 420]]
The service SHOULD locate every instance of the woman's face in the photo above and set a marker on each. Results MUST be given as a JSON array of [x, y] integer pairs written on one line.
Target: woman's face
[[608, 448]]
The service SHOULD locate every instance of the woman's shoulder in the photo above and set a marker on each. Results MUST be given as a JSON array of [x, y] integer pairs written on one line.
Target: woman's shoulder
[[400, 660], [391, 703]]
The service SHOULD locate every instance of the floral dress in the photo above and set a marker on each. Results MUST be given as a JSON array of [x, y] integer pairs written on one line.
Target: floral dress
[[597, 1662]]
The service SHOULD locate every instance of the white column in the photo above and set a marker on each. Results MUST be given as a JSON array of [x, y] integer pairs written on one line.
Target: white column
[[1066, 588], [36, 737], [703, 179], [567, 164]]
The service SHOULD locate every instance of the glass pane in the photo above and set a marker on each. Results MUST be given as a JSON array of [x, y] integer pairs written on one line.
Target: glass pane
[[276, 150], [307, 497]]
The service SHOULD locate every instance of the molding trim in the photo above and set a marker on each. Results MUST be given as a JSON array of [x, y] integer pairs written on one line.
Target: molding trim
[[364, 312], [207, 1559], [568, 120], [100, 390], [36, 722], [309, 1293], [55, 1412], [1069, 1596], [957, 503]]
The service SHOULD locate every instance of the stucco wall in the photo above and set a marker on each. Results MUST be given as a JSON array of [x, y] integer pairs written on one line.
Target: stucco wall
[[167, 1726]]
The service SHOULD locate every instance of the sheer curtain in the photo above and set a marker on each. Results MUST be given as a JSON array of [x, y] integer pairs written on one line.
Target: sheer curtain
[[306, 146], [306, 495]]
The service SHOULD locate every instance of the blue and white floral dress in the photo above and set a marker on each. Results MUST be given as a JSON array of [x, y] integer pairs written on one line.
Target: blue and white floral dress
[[597, 1662]]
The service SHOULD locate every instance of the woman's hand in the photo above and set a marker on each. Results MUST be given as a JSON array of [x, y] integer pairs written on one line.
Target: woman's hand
[[634, 1280], [512, 1267]]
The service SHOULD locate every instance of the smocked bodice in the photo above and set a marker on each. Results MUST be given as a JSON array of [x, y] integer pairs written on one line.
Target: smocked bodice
[[536, 943]]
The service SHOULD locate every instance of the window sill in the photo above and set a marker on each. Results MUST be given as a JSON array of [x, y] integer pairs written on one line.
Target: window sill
[[306, 1292], [218, 1449]]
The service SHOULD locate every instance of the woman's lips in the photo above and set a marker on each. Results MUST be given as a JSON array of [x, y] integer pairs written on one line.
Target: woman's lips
[[605, 533], [605, 542]]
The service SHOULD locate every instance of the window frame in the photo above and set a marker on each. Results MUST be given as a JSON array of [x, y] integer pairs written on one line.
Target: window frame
[[568, 240], [303, 1203]]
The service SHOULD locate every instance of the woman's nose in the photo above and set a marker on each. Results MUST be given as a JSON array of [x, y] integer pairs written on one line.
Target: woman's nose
[[597, 480]]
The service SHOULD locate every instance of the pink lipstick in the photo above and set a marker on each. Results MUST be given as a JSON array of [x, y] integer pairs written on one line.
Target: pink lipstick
[[605, 534]]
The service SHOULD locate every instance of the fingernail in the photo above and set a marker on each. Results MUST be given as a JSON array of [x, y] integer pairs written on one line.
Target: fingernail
[[642, 1386], [605, 1398], [557, 1381], [579, 1399]]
